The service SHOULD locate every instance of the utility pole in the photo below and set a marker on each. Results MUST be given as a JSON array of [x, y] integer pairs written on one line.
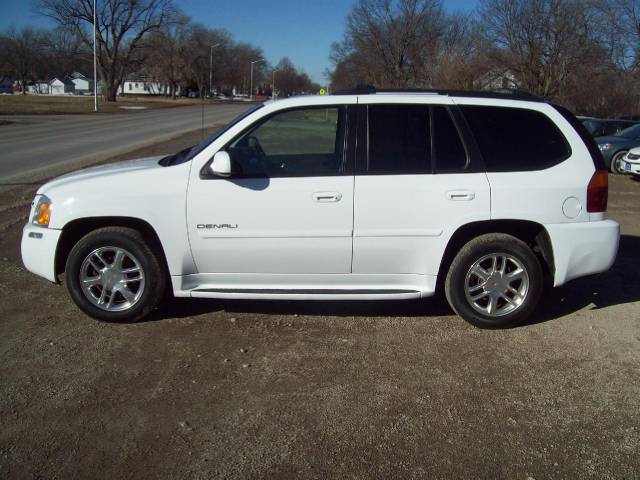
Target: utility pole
[[211, 67], [95, 63], [251, 91], [273, 84]]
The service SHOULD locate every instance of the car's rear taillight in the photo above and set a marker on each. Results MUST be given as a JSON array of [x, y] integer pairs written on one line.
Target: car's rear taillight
[[598, 192]]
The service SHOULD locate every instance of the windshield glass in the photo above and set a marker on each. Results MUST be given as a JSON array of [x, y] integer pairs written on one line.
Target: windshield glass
[[188, 153], [631, 132]]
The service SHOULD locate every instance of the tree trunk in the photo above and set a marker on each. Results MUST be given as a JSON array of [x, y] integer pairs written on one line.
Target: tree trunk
[[109, 92]]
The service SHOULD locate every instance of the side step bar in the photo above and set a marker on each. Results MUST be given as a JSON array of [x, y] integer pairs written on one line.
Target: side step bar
[[302, 291]]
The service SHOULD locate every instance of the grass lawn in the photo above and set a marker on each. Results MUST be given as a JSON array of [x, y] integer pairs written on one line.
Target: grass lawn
[[44, 104]]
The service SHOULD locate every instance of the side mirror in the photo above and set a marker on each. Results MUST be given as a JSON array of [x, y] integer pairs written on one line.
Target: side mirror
[[221, 165]]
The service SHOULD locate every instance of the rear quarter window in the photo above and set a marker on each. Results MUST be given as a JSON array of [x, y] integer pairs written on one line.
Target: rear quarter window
[[516, 139]]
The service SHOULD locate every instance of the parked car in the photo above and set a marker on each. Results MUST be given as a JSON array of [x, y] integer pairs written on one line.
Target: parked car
[[599, 127], [360, 195], [615, 147], [631, 162]]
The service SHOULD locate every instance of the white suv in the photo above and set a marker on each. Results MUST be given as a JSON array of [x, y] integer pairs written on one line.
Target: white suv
[[373, 195]]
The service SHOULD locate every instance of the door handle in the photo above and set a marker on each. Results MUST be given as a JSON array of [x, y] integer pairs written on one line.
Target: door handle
[[460, 195], [325, 197]]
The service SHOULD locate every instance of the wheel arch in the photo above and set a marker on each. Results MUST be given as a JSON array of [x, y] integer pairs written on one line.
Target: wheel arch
[[532, 233], [74, 230]]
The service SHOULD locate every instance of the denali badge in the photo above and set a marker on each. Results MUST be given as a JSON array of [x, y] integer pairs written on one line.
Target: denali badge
[[214, 226]]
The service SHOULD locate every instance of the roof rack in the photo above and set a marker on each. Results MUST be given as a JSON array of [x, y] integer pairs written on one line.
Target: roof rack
[[504, 93]]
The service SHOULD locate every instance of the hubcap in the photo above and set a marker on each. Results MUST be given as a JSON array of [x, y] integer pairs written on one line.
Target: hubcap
[[112, 279], [496, 285]]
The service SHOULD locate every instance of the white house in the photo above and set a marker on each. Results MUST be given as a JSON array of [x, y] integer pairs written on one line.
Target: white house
[[497, 79], [61, 86], [81, 84], [38, 88], [142, 86]]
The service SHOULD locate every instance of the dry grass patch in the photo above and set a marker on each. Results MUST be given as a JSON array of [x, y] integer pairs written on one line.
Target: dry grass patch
[[44, 104]]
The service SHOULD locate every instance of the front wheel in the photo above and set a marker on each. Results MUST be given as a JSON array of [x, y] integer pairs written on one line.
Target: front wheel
[[495, 280], [616, 163], [113, 275]]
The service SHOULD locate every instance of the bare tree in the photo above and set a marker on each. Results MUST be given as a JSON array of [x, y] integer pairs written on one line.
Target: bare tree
[[22, 52], [291, 81], [122, 26], [539, 41], [392, 43], [167, 49], [65, 53], [619, 29]]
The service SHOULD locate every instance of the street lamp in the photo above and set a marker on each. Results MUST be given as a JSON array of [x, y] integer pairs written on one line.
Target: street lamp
[[251, 91], [211, 67], [273, 84], [95, 63]]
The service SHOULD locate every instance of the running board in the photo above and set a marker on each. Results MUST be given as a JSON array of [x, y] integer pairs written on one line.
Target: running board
[[305, 293]]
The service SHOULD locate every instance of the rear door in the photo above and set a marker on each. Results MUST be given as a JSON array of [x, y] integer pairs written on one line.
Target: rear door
[[415, 185]]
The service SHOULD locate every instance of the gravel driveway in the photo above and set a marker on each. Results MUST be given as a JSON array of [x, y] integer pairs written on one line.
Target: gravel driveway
[[208, 389]]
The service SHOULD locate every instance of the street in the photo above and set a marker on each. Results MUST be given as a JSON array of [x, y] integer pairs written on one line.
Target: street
[[39, 146]]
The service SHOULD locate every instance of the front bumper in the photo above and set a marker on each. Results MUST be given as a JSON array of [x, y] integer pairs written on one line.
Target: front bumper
[[584, 248], [38, 249], [630, 168]]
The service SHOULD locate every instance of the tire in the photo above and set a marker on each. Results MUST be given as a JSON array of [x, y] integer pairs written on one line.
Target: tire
[[614, 167], [466, 287], [133, 281]]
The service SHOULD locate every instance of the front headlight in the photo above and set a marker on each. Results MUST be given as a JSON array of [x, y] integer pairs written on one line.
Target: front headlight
[[42, 211], [604, 146]]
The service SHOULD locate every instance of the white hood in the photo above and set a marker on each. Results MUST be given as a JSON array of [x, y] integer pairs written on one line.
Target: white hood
[[116, 168]]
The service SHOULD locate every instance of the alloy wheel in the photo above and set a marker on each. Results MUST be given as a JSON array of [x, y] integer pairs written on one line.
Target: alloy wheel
[[497, 284], [112, 278]]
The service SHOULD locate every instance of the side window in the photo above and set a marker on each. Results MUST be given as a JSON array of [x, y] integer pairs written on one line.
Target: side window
[[516, 139], [399, 139], [449, 151], [304, 142]]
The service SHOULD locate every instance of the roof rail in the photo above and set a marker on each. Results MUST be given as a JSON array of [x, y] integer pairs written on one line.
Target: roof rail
[[503, 93]]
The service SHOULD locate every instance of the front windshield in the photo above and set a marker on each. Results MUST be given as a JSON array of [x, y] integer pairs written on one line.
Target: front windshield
[[188, 153], [631, 132], [206, 142]]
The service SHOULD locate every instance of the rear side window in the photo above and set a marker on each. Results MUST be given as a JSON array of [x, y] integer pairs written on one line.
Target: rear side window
[[399, 139], [516, 139], [406, 139], [589, 142]]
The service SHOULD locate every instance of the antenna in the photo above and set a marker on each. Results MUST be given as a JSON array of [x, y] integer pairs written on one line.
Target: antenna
[[202, 103]]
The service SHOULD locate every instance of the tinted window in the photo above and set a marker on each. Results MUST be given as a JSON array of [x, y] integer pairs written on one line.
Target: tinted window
[[610, 129], [589, 142], [591, 126], [631, 132], [399, 140], [303, 142], [515, 139], [450, 154]]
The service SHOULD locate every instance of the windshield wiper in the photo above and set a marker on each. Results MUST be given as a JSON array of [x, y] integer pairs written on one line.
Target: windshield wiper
[[176, 158]]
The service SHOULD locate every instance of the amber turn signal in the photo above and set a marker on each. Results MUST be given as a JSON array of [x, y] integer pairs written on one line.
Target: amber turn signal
[[42, 212]]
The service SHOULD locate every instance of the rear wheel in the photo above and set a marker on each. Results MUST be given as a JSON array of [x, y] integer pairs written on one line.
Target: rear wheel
[[616, 163], [113, 275], [495, 280]]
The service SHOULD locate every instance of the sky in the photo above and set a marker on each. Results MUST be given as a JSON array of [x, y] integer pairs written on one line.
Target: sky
[[302, 30]]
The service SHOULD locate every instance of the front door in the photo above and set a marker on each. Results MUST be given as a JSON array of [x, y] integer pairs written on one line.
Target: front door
[[288, 206]]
